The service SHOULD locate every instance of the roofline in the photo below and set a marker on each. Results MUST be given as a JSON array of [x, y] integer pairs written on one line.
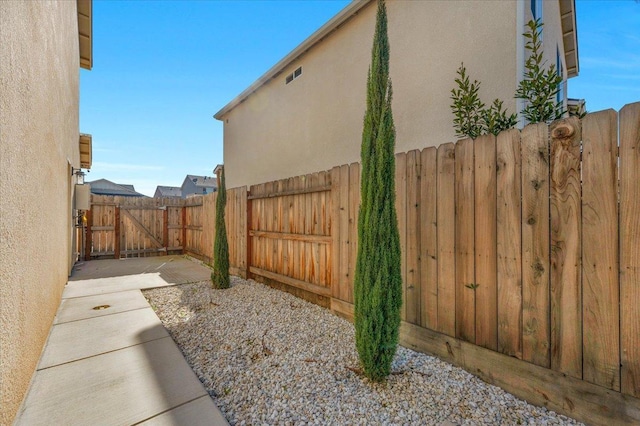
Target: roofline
[[570, 43], [570, 36], [333, 24]]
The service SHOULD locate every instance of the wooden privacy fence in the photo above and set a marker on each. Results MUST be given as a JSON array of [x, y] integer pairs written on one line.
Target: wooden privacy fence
[[520, 262], [520, 254]]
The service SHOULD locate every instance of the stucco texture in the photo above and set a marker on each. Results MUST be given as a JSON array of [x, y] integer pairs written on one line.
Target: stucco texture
[[39, 73], [315, 122]]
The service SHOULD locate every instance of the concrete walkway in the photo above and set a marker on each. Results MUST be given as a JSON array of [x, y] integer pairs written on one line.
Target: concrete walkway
[[108, 359]]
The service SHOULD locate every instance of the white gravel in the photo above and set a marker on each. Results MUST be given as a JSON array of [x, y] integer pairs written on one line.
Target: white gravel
[[267, 357]]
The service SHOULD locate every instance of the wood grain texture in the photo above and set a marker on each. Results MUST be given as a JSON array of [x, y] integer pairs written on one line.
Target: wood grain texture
[[509, 240], [401, 211], [601, 291], [335, 232], [428, 255], [536, 327], [630, 248], [486, 294], [465, 305], [354, 206], [412, 286], [446, 231], [343, 217], [566, 256]]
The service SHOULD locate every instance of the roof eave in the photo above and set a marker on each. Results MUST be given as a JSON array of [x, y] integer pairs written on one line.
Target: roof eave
[[569, 36], [333, 24], [85, 32]]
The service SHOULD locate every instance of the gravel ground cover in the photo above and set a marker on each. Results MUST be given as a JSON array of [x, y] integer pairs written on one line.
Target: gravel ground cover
[[267, 357]]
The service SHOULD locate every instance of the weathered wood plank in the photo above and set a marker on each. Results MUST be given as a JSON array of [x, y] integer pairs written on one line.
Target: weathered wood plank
[[136, 223], [343, 217], [536, 337], [509, 273], [630, 248], [336, 188], [428, 255], [566, 259], [89, 236], [600, 292], [412, 285], [354, 206], [282, 193], [485, 243], [465, 306], [446, 239], [556, 391], [316, 289], [308, 238], [401, 211]]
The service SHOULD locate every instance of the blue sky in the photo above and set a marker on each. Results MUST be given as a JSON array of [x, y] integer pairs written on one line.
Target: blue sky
[[163, 68]]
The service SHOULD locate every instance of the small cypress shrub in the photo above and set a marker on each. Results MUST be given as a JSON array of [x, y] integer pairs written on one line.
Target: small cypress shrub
[[378, 282], [540, 84], [220, 274]]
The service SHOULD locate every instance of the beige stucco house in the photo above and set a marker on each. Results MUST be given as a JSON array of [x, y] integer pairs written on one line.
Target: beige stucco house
[[305, 114], [43, 44]]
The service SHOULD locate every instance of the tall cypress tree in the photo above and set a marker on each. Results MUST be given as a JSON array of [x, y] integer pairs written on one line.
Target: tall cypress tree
[[378, 281], [220, 274]]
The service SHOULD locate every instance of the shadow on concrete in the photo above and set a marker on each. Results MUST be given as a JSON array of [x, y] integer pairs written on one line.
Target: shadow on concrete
[[173, 269]]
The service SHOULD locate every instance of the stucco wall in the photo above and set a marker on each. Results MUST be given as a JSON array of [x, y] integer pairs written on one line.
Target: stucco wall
[[39, 72], [315, 122]]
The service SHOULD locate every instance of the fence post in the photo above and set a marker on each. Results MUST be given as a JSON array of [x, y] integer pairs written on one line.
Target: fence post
[[248, 228], [116, 234], [88, 242]]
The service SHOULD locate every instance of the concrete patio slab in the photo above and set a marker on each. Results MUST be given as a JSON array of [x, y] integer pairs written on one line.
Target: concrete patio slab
[[80, 308], [189, 414], [100, 335], [123, 387], [113, 285], [172, 269]]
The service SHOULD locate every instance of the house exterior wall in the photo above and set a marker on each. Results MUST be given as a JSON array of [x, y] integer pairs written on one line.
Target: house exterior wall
[[39, 75], [315, 122]]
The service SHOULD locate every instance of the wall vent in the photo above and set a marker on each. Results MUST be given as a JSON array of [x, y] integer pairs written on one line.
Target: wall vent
[[297, 73]]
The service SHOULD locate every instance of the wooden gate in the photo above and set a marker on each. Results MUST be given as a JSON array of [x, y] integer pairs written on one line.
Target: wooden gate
[[121, 227]]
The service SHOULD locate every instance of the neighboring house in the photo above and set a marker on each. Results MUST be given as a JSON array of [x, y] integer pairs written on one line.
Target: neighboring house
[[198, 185], [42, 47], [576, 106], [305, 114], [167, 192], [106, 187]]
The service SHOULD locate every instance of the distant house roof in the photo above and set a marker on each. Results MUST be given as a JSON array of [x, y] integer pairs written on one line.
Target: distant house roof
[[202, 181], [106, 187], [167, 191]]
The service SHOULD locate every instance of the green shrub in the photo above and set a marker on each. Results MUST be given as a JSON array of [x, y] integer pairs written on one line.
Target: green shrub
[[471, 118], [495, 119], [220, 274], [378, 282], [467, 107], [540, 84]]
